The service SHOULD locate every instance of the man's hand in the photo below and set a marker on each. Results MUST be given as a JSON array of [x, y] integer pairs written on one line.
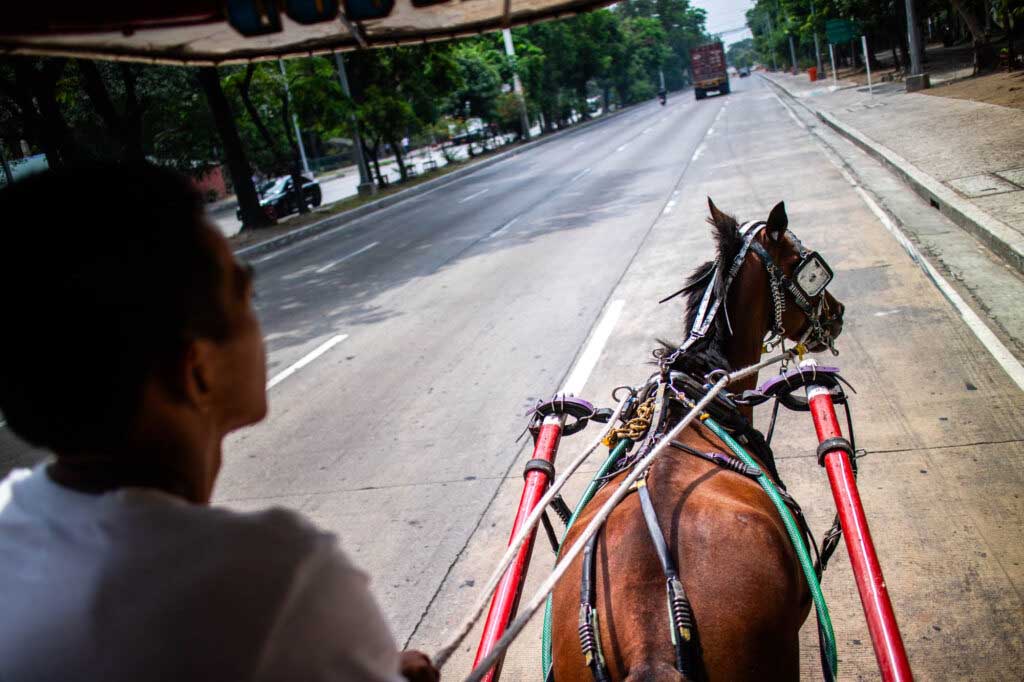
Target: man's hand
[[416, 667]]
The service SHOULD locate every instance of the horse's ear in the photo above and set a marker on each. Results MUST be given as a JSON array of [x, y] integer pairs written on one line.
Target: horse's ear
[[777, 221], [718, 219], [727, 231]]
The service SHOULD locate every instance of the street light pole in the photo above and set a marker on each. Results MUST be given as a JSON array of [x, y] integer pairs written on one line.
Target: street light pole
[[517, 86], [295, 119], [366, 186], [792, 54]]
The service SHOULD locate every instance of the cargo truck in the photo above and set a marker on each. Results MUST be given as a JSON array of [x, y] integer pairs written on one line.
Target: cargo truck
[[707, 62]]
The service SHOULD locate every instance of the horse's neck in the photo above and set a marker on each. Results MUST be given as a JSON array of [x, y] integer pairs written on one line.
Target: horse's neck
[[743, 347]]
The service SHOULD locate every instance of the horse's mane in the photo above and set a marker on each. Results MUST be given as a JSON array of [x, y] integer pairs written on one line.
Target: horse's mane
[[707, 353]]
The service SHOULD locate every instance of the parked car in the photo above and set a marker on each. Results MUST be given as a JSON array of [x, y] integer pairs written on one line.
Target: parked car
[[277, 199], [744, 71]]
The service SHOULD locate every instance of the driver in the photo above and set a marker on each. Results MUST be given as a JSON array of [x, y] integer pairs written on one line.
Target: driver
[[130, 351]]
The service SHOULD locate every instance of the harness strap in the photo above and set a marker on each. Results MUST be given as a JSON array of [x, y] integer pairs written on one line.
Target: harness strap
[[680, 614], [590, 639]]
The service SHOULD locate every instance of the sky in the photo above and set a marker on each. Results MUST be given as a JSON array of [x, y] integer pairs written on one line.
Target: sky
[[724, 15]]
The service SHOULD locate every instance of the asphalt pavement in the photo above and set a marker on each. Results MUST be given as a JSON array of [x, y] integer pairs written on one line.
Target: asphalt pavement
[[406, 347]]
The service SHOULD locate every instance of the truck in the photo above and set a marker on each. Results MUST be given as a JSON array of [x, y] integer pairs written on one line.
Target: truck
[[707, 62]]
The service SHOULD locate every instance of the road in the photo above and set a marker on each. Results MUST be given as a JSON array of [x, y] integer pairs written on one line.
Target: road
[[406, 347]]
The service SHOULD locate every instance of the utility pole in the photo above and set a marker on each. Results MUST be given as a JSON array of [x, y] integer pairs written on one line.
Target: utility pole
[[661, 80], [917, 80], [366, 186], [517, 86], [792, 54], [817, 45], [295, 119]]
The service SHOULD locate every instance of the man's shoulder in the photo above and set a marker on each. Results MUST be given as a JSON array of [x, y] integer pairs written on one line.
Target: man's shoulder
[[277, 530]]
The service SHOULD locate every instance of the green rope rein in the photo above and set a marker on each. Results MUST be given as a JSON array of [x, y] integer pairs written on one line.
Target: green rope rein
[[796, 537], [588, 495]]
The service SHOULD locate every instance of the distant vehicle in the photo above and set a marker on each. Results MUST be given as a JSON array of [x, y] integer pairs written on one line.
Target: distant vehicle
[[277, 200], [709, 71], [744, 71]]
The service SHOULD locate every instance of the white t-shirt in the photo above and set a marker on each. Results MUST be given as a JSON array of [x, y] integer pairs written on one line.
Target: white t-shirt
[[139, 585]]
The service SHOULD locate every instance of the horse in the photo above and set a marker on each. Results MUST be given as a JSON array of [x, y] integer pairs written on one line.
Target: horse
[[739, 570]]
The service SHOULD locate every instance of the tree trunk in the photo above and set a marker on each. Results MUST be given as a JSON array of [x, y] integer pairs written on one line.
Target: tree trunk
[[35, 91], [1010, 52], [126, 128], [238, 165], [401, 162], [984, 54]]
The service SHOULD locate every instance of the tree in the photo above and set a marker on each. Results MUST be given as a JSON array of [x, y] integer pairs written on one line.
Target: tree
[[238, 164], [30, 89]]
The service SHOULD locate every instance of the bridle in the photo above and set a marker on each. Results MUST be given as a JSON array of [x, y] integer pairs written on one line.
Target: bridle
[[809, 281]]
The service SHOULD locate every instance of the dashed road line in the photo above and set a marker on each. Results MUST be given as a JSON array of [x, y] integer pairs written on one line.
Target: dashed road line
[[306, 359], [579, 175], [501, 229], [700, 150], [622, 147], [474, 195], [669, 206], [330, 265]]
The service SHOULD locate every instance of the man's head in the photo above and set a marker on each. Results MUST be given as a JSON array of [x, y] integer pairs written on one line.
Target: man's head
[[127, 319]]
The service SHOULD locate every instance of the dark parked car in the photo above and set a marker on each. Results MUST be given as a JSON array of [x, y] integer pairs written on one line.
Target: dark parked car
[[744, 71], [277, 200]]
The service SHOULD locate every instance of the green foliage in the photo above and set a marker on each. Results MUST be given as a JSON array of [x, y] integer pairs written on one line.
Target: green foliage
[[109, 110], [741, 53]]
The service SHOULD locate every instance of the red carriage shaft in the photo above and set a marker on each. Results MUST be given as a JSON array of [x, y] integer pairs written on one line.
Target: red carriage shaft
[[506, 597], [885, 634]]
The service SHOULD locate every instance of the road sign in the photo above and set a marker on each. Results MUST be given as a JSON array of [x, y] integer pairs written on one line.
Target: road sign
[[841, 31]]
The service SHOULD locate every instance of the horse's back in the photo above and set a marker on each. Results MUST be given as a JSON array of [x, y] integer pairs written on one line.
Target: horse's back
[[737, 566]]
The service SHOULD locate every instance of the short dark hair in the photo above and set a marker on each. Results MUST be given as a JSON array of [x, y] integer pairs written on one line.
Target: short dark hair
[[108, 271]]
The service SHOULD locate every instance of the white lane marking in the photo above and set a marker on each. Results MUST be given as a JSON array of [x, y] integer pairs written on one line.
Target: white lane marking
[[575, 146], [330, 265], [669, 206], [502, 228], [592, 352], [622, 147], [1001, 353], [645, 131], [711, 131], [474, 195], [700, 150], [308, 358], [579, 175]]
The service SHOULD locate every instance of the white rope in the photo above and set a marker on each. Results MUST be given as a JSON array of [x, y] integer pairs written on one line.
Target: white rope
[[516, 626], [445, 652]]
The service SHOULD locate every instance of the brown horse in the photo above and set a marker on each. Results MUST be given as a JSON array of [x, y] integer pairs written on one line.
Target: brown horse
[[736, 563]]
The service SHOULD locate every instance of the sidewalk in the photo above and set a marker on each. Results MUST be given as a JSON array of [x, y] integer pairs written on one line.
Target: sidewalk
[[972, 152]]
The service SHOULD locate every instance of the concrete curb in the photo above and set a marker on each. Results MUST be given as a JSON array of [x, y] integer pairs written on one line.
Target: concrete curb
[[995, 234], [428, 186]]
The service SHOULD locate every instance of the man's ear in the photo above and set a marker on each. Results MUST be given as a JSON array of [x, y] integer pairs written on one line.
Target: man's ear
[[197, 375], [777, 221]]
